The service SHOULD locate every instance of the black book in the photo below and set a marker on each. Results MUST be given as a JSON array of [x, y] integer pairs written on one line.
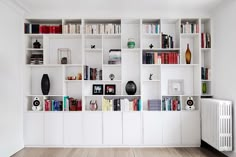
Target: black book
[[118, 105], [35, 28], [115, 104], [27, 28], [144, 58]]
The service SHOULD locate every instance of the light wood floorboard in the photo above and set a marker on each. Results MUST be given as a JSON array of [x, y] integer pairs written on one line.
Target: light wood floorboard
[[115, 152]]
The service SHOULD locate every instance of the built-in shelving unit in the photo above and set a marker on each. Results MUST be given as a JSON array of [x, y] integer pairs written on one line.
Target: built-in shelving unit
[[96, 48]]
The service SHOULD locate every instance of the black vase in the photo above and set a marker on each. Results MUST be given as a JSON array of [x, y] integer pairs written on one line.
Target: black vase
[[45, 84], [130, 88]]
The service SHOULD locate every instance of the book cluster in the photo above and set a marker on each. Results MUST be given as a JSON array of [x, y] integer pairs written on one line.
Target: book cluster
[[42, 28], [171, 104], [161, 58], [103, 28], [189, 28], [71, 104], [154, 105], [206, 40], [167, 41], [53, 105], [92, 73], [71, 29], [121, 105], [205, 73], [114, 56], [151, 28]]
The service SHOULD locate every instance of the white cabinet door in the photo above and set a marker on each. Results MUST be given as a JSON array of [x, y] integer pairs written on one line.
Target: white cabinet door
[[152, 127], [73, 132], [53, 128], [190, 127], [112, 128], [171, 128], [92, 128], [33, 128], [132, 134]]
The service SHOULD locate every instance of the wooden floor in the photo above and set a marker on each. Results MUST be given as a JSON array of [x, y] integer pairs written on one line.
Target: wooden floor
[[115, 152]]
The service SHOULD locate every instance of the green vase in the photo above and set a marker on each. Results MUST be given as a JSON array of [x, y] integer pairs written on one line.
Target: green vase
[[131, 43], [204, 88]]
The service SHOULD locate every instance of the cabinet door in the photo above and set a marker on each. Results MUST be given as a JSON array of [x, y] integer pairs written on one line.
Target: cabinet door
[[152, 127], [53, 128], [132, 128], [112, 128], [33, 128], [190, 128], [171, 128], [73, 128], [92, 125]]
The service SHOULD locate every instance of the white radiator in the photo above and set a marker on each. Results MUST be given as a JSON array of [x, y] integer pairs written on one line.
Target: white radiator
[[217, 123]]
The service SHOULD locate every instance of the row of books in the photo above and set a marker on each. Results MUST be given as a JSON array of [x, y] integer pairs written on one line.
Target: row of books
[[205, 72], [171, 104], [121, 105], [71, 104], [167, 41], [161, 58], [151, 28], [103, 28], [114, 56], [53, 105], [92, 73], [189, 28], [206, 40], [42, 29], [72, 29], [154, 105]]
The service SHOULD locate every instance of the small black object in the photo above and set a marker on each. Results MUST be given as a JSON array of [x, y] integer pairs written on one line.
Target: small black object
[[36, 44], [150, 76], [112, 76], [45, 84], [92, 46], [130, 88], [151, 46], [64, 60]]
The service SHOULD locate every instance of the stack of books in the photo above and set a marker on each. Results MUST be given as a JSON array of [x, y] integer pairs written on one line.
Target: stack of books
[[71, 29], [206, 40], [154, 105], [103, 28], [151, 28], [189, 28], [151, 58], [161, 58], [71, 104], [53, 105], [92, 73], [114, 56], [205, 73], [42, 28], [171, 104]]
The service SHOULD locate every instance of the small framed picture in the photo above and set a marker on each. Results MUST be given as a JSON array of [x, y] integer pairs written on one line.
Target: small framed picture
[[175, 87], [110, 89], [98, 89]]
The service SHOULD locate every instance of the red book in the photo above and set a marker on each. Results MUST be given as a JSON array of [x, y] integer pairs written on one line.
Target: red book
[[47, 105], [174, 58], [135, 107], [174, 105], [44, 29], [202, 39], [79, 105], [162, 58]]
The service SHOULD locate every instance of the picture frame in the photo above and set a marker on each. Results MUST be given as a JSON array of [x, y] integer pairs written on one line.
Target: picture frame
[[110, 89], [97, 89], [176, 87]]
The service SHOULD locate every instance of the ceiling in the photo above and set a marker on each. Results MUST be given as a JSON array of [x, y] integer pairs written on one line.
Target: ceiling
[[116, 5]]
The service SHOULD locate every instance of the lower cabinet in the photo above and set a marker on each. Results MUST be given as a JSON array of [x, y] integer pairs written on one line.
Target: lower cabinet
[[152, 128], [112, 128], [53, 129], [92, 128], [33, 129], [132, 127], [172, 128], [73, 132], [190, 121]]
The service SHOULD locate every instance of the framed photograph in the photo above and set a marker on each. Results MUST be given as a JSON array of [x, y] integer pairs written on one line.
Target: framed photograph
[[175, 87], [110, 89], [98, 89]]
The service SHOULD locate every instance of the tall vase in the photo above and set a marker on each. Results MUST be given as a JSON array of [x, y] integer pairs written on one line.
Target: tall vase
[[204, 88], [188, 55], [45, 84]]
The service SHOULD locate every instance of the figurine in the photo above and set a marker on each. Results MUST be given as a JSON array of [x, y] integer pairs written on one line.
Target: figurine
[[92, 46], [151, 46], [150, 76]]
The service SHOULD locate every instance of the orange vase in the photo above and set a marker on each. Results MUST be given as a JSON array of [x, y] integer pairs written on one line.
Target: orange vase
[[188, 55]]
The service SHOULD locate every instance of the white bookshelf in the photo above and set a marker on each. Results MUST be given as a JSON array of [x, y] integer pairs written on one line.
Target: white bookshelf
[[131, 68]]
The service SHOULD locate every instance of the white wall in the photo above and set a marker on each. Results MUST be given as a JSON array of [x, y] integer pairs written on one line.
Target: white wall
[[11, 43], [224, 54]]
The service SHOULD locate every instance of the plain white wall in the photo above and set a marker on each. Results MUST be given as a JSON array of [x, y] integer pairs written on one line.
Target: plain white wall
[[11, 44], [224, 54]]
